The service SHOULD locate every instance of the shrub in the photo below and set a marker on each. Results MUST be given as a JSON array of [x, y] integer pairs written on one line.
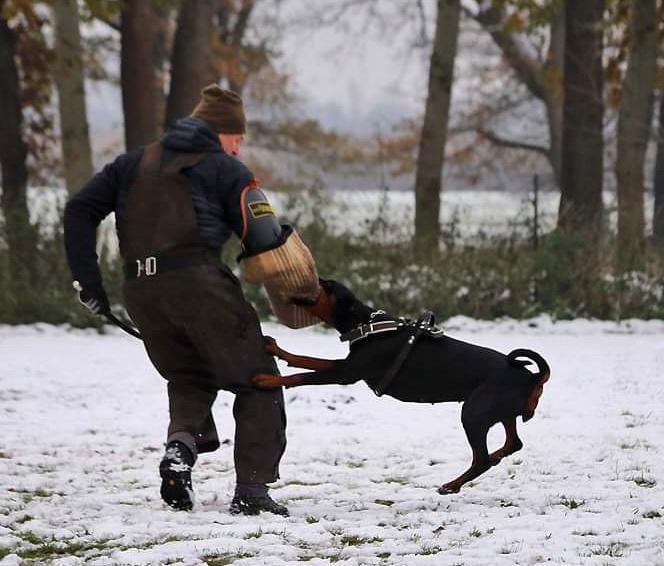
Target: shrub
[[482, 276]]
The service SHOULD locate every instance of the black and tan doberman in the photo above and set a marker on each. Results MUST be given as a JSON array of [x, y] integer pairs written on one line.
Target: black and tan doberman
[[437, 368]]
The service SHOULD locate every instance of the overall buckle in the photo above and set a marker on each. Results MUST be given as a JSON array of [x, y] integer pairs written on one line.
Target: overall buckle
[[147, 266]]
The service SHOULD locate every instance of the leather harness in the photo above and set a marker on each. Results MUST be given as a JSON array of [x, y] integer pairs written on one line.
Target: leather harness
[[416, 328]]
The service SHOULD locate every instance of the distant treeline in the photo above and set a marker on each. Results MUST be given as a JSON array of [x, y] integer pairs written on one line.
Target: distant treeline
[[591, 67]]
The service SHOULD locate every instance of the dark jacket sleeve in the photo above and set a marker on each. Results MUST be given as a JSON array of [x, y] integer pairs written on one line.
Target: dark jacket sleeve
[[86, 209], [236, 177]]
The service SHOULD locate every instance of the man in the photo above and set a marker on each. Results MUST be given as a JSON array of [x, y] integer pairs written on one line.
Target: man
[[176, 202]]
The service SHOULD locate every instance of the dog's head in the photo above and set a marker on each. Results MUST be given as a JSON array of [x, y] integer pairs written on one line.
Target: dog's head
[[337, 306], [534, 397]]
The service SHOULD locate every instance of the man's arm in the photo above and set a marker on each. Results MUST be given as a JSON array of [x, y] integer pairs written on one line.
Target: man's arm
[[247, 210], [83, 213], [272, 255]]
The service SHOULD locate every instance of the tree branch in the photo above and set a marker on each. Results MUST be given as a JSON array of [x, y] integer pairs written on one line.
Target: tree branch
[[113, 23], [223, 19], [527, 68], [242, 21], [423, 23], [495, 139]]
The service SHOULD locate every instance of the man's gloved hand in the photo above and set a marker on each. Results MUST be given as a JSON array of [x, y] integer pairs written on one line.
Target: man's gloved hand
[[93, 297]]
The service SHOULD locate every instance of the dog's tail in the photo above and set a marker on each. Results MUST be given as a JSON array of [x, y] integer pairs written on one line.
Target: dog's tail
[[544, 371], [543, 374]]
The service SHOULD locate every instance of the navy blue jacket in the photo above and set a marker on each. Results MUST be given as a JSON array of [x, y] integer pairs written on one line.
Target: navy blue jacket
[[216, 184]]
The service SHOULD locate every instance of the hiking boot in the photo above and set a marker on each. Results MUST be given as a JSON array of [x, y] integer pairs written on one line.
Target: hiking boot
[[253, 505], [175, 472]]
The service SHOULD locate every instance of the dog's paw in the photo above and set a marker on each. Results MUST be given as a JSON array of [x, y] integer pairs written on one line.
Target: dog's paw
[[271, 346], [267, 381], [495, 459], [448, 489]]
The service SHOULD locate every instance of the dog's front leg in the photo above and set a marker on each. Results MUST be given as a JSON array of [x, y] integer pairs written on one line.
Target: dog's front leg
[[324, 377], [271, 381], [293, 360]]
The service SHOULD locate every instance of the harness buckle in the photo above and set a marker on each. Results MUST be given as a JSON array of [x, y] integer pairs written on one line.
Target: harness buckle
[[147, 266]]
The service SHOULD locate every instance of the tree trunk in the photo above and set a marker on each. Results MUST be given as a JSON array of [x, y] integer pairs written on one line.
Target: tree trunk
[[191, 67], [430, 159], [19, 233], [237, 77], [658, 215], [140, 83], [553, 92], [580, 211], [633, 132], [77, 155], [162, 45]]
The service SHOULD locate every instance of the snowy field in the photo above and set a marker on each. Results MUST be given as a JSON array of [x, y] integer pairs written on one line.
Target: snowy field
[[83, 416], [465, 213]]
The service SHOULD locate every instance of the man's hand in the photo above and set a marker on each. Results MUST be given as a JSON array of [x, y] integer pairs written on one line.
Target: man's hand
[[93, 297]]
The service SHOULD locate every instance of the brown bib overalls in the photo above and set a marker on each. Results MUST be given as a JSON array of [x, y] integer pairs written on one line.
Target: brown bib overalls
[[199, 331]]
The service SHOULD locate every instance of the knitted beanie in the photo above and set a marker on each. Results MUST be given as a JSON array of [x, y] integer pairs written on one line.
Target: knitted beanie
[[221, 109]]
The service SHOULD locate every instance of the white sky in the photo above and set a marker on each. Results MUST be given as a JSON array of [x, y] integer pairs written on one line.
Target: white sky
[[358, 85]]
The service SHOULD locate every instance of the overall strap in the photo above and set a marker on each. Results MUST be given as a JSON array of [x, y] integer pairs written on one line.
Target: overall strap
[[151, 159], [159, 217], [180, 161]]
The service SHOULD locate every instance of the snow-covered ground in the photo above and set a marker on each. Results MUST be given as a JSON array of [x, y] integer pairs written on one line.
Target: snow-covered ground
[[82, 420]]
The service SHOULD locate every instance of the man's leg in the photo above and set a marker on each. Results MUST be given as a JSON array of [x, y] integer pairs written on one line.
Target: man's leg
[[260, 441], [191, 430], [226, 333], [191, 421]]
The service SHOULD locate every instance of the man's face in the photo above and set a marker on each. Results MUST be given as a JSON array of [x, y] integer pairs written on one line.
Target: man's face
[[231, 143]]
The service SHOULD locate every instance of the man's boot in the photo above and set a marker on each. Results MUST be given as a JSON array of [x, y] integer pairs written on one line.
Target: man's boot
[[175, 472], [252, 498]]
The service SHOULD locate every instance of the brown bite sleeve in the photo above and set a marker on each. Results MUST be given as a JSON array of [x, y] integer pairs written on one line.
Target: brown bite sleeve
[[287, 272]]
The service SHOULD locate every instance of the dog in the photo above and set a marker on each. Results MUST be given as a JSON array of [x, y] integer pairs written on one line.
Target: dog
[[416, 362]]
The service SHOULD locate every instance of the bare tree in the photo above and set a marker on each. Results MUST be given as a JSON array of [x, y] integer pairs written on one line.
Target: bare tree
[[68, 73], [633, 132], [13, 155], [141, 90], [582, 140], [658, 215], [430, 160], [237, 60], [191, 67], [543, 79], [162, 46]]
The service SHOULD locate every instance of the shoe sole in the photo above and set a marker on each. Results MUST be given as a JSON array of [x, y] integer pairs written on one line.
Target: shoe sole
[[174, 493]]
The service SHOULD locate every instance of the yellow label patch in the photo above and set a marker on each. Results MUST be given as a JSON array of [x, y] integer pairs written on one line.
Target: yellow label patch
[[260, 208]]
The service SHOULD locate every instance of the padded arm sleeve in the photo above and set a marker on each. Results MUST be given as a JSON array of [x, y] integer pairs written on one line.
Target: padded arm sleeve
[[261, 230]]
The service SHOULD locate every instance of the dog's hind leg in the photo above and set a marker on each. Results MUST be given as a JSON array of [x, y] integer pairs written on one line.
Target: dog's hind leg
[[476, 420], [512, 442], [479, 465]]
